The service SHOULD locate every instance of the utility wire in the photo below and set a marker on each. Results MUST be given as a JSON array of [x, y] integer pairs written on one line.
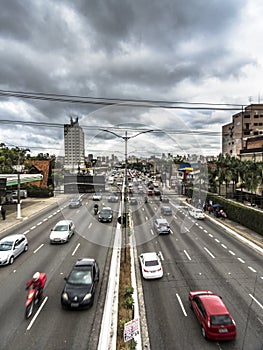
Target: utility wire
[[116, 128], [122, 102]]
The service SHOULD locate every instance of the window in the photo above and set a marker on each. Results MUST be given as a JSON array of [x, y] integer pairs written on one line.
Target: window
[[247, 116]]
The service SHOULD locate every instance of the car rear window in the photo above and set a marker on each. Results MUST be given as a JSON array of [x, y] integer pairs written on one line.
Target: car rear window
[[218, 320], [151, 263], [61, 228]]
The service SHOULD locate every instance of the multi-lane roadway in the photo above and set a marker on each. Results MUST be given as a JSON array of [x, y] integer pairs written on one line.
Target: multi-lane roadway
[[196, 255], [54, 328]]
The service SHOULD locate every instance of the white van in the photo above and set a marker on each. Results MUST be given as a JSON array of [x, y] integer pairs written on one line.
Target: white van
[[197, 213]]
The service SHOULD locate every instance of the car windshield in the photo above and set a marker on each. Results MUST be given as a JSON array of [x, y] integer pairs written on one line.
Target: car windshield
[[151, 263], [106, 212], [80, 276], [6, 246], [61, 228], [218, 320]]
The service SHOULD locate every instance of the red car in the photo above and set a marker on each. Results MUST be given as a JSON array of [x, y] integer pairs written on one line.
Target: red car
[[215, 319]]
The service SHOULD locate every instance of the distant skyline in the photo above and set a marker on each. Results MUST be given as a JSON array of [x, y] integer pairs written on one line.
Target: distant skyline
[[194, 51]]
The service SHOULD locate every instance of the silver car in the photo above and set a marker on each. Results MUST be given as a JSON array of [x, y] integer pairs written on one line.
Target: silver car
[[12, 246], [62, 232]]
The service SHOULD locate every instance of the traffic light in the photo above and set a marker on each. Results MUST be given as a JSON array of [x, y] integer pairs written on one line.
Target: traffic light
[[122, 220]]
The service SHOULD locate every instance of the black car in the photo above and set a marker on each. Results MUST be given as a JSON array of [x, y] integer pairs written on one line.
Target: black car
[[79, 290], [106, 214]]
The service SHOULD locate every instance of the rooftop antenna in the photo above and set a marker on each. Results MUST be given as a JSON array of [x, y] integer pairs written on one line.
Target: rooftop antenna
[[250, 99], [258, 97]]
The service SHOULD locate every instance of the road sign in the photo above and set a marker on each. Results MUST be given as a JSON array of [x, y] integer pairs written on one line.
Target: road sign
[[131, 329]]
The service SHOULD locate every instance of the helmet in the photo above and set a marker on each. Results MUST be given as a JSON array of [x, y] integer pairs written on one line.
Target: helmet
[[36, 276]]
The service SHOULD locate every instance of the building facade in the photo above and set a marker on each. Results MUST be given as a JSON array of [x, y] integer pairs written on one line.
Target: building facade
[[74, 145], [246, 124]]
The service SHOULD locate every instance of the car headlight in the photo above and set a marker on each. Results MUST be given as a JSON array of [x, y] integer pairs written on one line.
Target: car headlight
[[87, 296], [65, 296]]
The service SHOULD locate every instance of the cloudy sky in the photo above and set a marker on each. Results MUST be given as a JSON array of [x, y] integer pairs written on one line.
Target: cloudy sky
[[179, 68]]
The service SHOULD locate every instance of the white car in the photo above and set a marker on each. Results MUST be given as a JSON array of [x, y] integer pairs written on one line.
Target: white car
[[96, 197], [12, 246], [62, 231], [151, 265], [197, 213]]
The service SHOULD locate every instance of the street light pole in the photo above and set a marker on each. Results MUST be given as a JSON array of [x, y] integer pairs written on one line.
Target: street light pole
[[124, 215], [18, 190]]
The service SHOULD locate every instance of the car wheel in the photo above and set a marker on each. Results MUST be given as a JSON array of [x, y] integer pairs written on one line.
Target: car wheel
[[26, 248], [203, 332], [11, 260]]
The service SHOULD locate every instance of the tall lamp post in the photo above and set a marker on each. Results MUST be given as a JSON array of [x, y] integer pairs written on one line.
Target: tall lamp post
[[18, 168], [124, 215]]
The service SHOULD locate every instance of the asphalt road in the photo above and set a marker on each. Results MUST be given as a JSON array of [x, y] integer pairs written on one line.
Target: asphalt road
[[54, 328], [198, 255]]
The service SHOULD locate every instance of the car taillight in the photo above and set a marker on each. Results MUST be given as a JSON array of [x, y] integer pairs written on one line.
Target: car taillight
[[208, 322], [159, 269], [145, 270]]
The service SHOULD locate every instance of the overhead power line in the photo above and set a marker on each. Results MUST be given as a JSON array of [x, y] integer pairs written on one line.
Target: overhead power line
[[116, 128], [120, 101]]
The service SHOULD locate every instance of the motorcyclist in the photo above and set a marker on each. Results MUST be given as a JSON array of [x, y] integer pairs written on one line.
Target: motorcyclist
[[96, 209], [38, 282]]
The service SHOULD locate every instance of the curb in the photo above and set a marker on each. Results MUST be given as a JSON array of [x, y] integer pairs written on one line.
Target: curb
[[142, 340]]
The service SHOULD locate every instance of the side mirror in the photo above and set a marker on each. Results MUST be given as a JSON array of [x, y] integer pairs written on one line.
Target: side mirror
[[65, 278]]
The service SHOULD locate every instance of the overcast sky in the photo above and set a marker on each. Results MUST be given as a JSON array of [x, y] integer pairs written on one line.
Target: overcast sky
[[191, 51]]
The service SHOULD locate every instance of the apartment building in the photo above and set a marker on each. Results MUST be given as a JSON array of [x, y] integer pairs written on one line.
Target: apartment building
[[245, 130], [74, 145]]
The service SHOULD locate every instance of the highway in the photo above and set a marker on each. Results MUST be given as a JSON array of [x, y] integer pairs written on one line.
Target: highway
[[198, 255], [54, 327]]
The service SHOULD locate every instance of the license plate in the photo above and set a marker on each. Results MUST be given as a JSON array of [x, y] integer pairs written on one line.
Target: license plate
[[74, 304], [223, 330]]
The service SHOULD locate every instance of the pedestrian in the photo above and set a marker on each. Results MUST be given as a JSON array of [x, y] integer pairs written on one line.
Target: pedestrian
[[3, 212]]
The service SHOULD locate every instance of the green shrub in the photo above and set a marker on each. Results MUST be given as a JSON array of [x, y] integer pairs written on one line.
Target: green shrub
[[128, 302], [129, 291]]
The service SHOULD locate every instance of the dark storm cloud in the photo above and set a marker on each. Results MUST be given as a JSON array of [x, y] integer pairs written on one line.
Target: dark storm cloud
[[115, 48]]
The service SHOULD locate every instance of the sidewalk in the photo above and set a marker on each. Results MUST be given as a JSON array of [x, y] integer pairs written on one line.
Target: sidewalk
[[29, 208]]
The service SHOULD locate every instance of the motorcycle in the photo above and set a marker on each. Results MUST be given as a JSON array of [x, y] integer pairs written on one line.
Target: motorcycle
[[96, 209], [34, 298]]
